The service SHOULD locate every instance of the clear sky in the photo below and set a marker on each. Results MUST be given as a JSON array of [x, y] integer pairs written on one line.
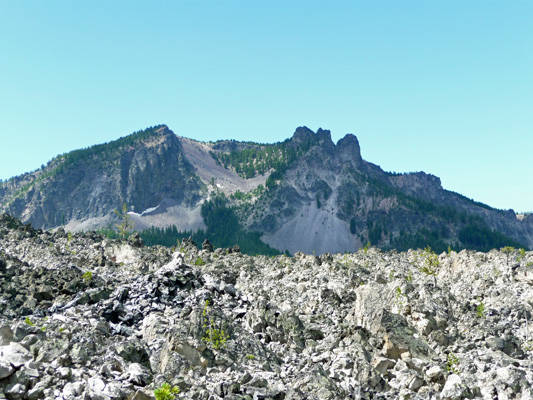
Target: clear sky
[[445, 87]]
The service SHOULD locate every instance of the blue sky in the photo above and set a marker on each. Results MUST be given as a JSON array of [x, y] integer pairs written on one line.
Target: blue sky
[[445, 87]]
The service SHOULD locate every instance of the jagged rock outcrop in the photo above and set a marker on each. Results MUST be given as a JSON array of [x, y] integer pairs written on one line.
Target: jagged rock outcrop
[[348, 150], [83, 317]]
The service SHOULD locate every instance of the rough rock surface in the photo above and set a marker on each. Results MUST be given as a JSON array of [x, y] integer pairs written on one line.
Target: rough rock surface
[[83, 317]]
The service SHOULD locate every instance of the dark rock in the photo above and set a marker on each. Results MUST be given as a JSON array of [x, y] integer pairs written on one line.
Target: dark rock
[[234, 249], [135, 240], [189, 243], [60, 233], [206, 245]]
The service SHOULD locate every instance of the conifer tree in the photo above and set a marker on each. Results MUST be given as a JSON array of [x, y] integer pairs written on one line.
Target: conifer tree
[[126, 224]]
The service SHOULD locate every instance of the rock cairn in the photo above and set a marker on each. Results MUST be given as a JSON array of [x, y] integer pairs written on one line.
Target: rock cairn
[[84, 317]]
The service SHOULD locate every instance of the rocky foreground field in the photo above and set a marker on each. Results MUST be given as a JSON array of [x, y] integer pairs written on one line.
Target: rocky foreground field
[[84, 317]]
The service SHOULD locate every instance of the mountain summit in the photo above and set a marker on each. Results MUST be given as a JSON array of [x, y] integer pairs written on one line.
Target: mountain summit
[[303, 194]]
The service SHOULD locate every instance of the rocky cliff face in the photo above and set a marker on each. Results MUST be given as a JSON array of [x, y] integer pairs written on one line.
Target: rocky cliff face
[[144, 170], [319, 197], [83, 317], [305, 203], [338, 202]]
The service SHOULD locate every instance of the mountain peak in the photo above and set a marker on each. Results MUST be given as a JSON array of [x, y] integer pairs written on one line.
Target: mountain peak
[[302, 134], [324, 136], [163, 130], [348, 149]]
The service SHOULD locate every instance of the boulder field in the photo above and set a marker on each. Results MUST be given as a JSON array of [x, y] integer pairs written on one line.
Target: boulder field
[[85, 317]]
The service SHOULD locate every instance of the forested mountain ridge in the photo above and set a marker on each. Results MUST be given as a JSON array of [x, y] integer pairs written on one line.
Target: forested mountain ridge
[[141, 169], [303, 194], [337, 201]]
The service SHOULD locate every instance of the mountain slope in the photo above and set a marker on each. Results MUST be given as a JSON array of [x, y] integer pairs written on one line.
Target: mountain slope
[[144, 170], [330, 199], [304, 194]]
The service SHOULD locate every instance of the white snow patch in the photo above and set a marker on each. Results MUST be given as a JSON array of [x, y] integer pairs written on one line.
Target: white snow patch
[[183, 217], [148, 210]]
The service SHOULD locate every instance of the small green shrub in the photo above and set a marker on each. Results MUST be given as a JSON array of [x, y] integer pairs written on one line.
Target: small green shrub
[[69, 239], [452, 364], [29, 322], [126, 224], [528, 345], [521, 255], [87, 277], [480, 310], [507, 250], [214, 336], [217, 337], [166, 392], [430, 264], [400, 300], [199, 262]]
